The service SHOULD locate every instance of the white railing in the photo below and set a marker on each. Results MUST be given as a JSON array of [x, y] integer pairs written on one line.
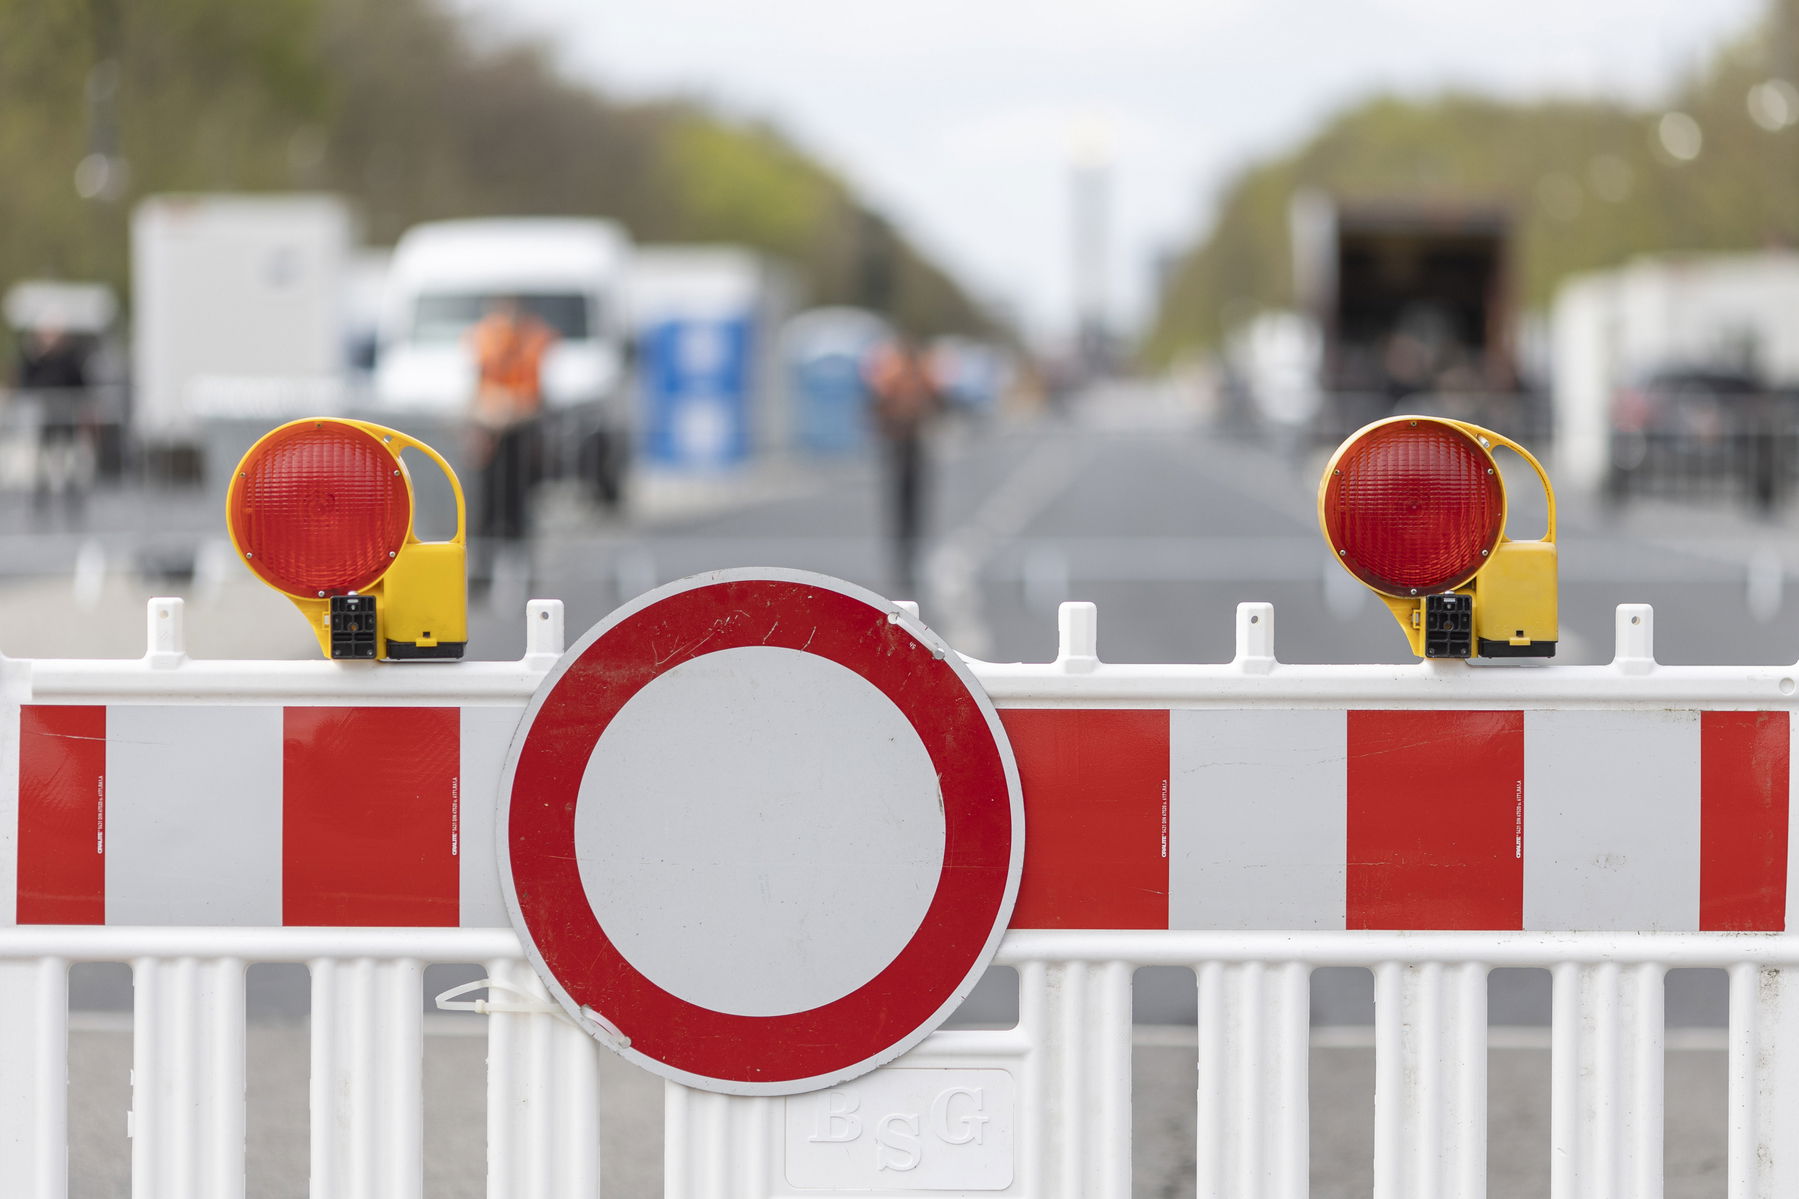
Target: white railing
[[1070, 1055], [1068, 1061], [1055, 1119], [189, 1034]]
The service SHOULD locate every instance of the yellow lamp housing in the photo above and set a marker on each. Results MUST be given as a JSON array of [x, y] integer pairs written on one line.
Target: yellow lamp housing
[[321, 510], [1415, 508]]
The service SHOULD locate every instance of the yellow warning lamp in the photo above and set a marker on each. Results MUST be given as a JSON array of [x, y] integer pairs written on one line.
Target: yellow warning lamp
[[1414, 507], [321, 510]]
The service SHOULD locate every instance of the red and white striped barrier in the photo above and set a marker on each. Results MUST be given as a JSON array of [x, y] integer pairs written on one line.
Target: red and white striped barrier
[[1234, 818], [1653, 820], [1251, 820]]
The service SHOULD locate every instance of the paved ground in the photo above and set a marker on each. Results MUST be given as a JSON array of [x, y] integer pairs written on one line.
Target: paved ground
[[1131, 506]]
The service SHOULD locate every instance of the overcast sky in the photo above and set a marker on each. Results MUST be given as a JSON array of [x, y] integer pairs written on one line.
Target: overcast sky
[[959, 118]]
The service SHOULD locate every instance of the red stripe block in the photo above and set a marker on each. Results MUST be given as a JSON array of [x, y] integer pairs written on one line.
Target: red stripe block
[[1096, 817], [369, 815], [62, 814], [1436, 820], [1743, 773]]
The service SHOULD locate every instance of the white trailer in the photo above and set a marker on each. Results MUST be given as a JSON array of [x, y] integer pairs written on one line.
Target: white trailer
[[1733, 312], [237, 309]]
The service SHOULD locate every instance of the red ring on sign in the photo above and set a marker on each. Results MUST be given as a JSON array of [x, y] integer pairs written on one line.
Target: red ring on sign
[[971, 888]]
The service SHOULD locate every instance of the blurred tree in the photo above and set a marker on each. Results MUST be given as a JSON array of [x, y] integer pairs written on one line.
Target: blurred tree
[[1588, 183], [408, 110]]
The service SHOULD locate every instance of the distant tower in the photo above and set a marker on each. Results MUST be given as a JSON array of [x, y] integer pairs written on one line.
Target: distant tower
[[1091, 181]]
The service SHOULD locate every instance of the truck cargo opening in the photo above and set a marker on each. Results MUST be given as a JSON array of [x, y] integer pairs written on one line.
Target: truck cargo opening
[[1415, 277]]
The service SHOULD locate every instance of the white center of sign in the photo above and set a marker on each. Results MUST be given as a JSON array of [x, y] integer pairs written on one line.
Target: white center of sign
[[740, 850]]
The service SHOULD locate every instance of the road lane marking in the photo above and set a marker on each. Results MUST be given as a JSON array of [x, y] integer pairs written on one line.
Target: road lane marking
[[953, 568]]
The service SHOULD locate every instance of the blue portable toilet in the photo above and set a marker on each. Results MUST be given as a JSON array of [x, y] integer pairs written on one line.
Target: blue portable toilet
[[696, 391], [704, 318], [823, 351]]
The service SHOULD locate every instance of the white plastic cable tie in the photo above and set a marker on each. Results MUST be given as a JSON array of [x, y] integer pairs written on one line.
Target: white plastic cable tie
[[608, 1029], [518, 1001]]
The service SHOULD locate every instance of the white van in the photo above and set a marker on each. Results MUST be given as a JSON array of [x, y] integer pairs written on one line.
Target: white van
[[570, 272]]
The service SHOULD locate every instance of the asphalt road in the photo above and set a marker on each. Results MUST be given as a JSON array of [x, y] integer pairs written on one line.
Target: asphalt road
[[1168, 528], [1128, 504]]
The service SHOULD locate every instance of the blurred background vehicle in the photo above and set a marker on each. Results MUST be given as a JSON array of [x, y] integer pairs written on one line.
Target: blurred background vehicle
[[238, 325], [1678, 372], [1402, 304], [574, 275]]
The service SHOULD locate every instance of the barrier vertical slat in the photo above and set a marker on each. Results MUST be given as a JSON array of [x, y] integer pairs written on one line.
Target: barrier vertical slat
[[34, 1077], [1066, 993], [543, 1097], [1034, 1145], [1764, 1068], [367, 1088], [1248, 1090], [1214, 1134], [1253, 1073], [755, 1120], [1469, 1042], [504, 1097], [677, 1130], [713, 1131], [1607, 1070], [187, 1091], [1648, 1065], [1430, 1080], [578, 1128], [1745, 1114], [1391, 1126], [1078, 1018], [1112, 1059], [688, 1171], [536, 1059], [1642, 1058], [717, 1146], [399, 1023]]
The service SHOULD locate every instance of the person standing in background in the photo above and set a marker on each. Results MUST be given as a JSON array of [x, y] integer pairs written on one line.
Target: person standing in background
[[53, 375], [906, 398], [509, 345]]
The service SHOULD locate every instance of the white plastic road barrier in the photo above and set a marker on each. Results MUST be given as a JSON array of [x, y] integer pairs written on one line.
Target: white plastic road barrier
[[1250, 820]]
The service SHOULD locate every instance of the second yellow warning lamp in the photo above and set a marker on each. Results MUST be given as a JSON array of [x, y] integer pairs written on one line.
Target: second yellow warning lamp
[[1415, 508], [321, 509]]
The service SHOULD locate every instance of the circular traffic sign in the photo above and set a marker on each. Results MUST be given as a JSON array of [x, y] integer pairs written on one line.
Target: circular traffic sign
[[760, 831]]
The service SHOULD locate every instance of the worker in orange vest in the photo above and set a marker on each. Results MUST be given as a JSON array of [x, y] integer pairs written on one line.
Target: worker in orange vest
[[906, 398], [508, 345]]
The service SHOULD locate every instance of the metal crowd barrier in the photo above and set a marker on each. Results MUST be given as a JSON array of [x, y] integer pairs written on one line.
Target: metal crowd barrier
[[99, 499], [1652, 833], [1757, 466]]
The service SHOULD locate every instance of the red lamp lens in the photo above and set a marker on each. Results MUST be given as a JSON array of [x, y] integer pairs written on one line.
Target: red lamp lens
[[320, 507], [1411, 507]]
